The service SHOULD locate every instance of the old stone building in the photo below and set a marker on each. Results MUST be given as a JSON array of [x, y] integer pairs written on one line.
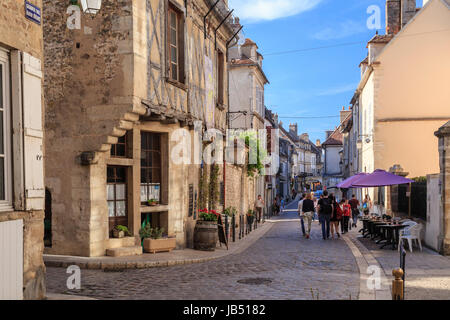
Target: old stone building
[[247, 111], [120, 85], [444, 161], [22, 270]]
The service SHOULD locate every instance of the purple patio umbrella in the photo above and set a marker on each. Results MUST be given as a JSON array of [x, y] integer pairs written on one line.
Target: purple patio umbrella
[[380, 178], [348, 183]]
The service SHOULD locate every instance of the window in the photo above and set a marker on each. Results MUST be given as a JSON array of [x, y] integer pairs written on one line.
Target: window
[[259, 100], [119, 150], [175, 44], [220, 78], [150, 166], [5, 134], [117, 195]]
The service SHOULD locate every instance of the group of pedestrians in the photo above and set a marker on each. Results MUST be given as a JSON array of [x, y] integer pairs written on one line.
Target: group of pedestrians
[[336, 218]]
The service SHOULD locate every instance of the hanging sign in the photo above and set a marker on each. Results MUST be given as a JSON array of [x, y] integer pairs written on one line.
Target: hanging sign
[[32, 12]]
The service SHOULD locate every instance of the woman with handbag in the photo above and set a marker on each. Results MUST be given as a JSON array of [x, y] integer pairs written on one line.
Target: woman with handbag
[[336, 217]]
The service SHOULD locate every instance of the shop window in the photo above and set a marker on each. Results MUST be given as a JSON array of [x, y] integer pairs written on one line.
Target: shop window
[[117, 195], [150, 166]]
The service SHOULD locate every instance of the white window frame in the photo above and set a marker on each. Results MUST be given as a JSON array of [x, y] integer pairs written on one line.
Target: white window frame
[[6, 205]]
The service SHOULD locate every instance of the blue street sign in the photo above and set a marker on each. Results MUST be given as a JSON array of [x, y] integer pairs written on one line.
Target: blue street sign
[[32, 12]]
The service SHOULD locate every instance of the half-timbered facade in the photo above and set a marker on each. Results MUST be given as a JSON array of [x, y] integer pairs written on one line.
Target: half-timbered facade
[[120, 84]]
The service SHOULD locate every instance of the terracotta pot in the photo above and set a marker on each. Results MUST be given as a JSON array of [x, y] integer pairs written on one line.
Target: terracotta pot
[[159, 245]]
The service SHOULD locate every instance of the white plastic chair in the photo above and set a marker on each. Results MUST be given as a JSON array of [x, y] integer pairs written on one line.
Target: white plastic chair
[[409, 224], [411, 233]]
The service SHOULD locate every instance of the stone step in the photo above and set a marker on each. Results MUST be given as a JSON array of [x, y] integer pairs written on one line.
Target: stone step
[[124, 251], [123, 242]]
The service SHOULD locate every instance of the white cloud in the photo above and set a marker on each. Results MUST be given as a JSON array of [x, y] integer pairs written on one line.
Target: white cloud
[[343, 30], [338, 90], [264, 10]]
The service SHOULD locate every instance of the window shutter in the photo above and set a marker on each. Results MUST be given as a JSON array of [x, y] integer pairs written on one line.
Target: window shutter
[[33, 134]]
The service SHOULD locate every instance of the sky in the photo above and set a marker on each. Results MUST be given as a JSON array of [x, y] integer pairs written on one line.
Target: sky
[[313, 82]]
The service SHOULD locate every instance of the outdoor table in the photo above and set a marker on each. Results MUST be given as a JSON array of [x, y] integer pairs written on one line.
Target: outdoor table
[[365, 227], [393, 231], [373, 231], [382, 233]]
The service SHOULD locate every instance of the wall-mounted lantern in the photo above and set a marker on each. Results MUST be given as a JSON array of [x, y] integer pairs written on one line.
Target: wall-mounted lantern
[[91, 6]]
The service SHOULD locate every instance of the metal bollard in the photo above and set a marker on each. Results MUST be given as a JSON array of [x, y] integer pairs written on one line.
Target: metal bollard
[[233, 226], [240, 227], [227, 232], [397, 285]]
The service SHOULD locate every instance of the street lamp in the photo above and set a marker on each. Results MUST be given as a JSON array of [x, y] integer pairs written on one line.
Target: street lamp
[[91, 6]]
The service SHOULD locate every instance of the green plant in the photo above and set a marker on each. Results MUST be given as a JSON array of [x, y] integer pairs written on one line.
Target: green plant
[[250, 212], [203, 188], [230, 211], [251, 140], [214, 187], [151, 233], [122, 228], [420, 179], [206, 215], [157, 233], [146, 232]]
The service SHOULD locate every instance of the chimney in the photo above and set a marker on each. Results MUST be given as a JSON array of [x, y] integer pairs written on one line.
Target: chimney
[[305, 137], [328, 133], [318, 143], [393, 16], [344, 113], [408, 11], [293, 128]]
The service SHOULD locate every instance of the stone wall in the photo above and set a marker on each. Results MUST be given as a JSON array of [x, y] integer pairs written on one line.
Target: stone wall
[[89, 103], [444, 159], [19, 33]]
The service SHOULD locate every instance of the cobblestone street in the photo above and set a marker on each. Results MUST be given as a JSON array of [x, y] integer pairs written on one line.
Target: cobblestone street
[[290, 266]]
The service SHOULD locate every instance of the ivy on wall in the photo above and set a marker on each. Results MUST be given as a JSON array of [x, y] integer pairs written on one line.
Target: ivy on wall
[[251, 139], [214, 191]]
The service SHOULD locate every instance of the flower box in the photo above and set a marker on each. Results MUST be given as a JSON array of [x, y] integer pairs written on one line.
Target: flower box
[[159, 245]]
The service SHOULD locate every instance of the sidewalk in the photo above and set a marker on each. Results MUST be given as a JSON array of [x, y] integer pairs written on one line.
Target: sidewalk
[[163, 259], [427, 272]]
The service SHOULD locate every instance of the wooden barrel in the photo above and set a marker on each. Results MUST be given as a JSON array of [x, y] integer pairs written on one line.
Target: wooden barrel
[[205, 235]]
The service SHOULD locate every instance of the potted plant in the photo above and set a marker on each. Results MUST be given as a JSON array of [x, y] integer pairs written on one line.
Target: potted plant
[[152, 202], [250, 216], [205, 232], [154, 240], [120, 231]]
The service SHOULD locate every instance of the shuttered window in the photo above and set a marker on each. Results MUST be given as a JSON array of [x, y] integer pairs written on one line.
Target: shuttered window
[[5, 133]]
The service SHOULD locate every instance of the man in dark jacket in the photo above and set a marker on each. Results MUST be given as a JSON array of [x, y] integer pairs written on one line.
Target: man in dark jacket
[[325, 208]]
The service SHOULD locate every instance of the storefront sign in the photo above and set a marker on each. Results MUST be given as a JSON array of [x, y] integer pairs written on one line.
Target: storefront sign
[[32, 12]]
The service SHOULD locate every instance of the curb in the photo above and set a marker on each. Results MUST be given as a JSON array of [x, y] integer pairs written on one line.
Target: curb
[[364, 258], [97, 264]]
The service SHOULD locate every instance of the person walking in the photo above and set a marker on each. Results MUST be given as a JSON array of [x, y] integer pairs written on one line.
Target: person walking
[[325, 208], [346, 212], [282, 205], [308, 213], [336, 217], [315, 200], [259, 206], [367, 204], [300, 213], [354, 204]]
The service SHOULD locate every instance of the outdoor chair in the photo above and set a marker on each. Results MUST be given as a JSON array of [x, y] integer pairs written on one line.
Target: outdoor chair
[[411, 233]]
